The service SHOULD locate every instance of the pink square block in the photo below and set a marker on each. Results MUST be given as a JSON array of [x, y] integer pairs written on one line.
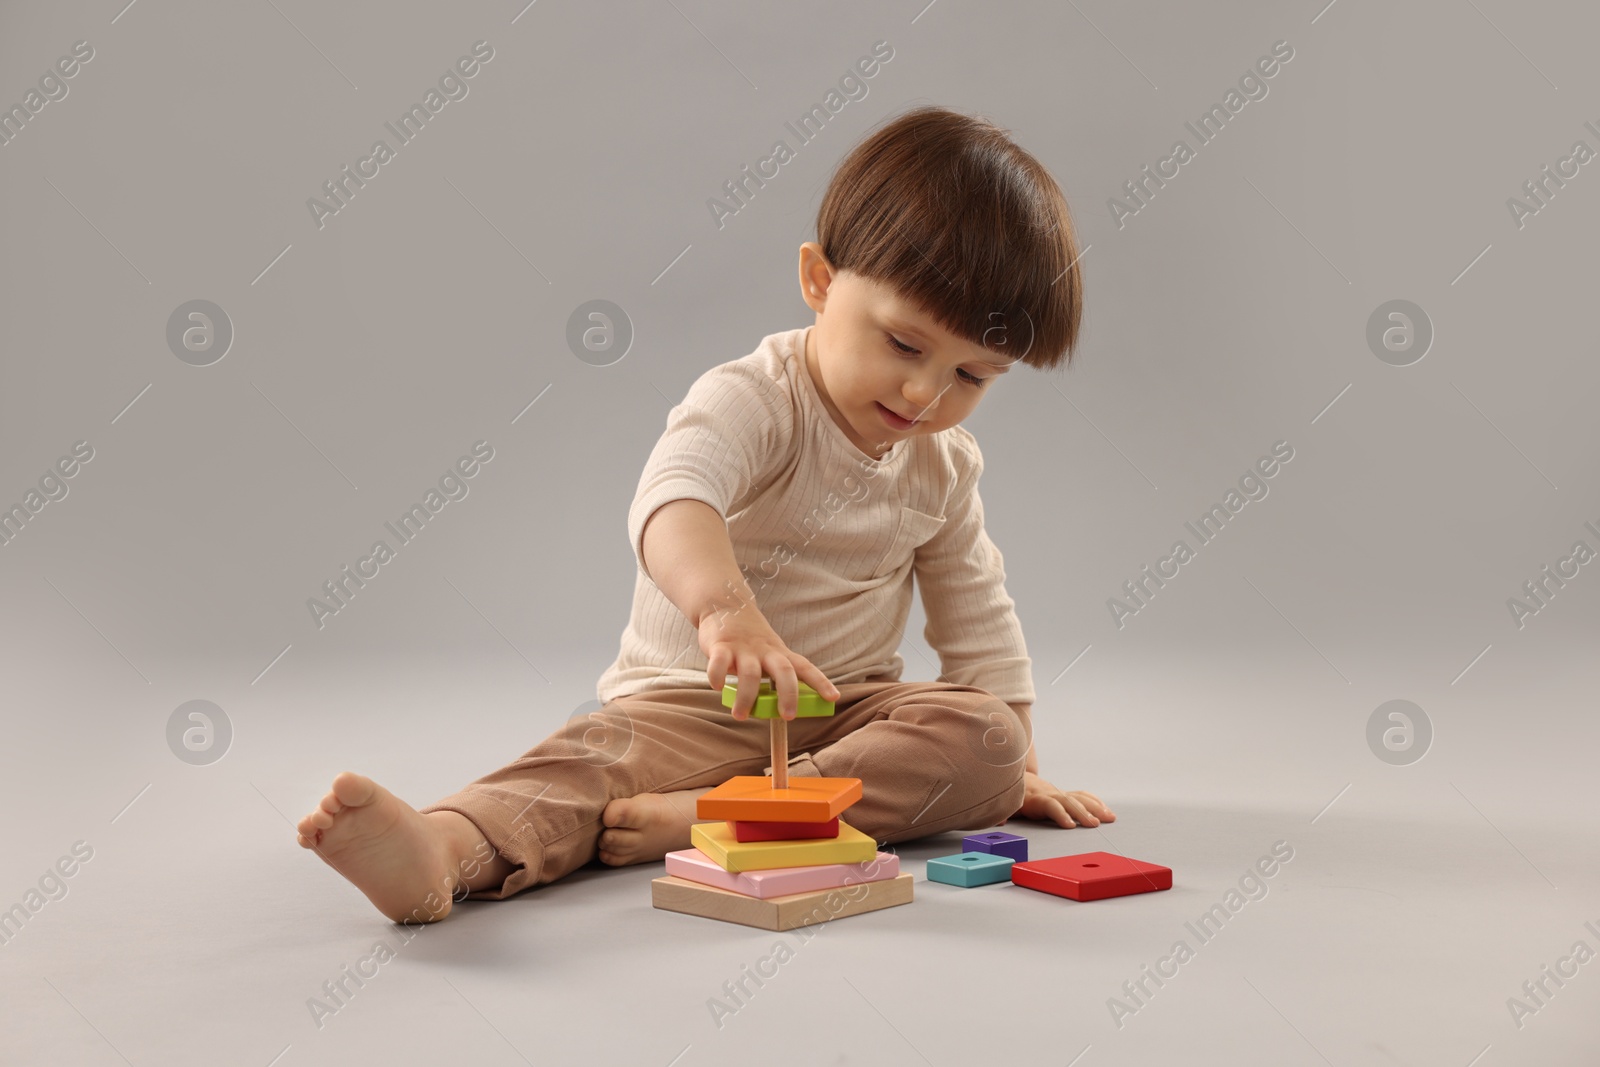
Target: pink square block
[[696, 866]]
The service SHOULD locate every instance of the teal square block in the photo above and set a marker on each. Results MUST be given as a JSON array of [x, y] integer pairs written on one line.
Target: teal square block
[[968, 869]]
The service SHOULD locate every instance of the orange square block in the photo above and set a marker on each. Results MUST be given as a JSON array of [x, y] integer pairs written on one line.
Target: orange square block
[[752, 798]]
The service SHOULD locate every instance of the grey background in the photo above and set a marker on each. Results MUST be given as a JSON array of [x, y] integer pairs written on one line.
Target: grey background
[[1227, 315]]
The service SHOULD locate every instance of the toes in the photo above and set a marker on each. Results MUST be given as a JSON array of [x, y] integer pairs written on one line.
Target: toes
[[623, 858], [618, 846], [618, 813], [612, 851], [331, 804], [354, 790]]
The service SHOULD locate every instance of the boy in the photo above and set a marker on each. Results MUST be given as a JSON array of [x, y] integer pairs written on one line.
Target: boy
[[792, 497]]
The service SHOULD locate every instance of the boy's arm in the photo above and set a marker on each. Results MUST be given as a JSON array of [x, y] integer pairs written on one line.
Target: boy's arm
[[721, 445], [724, 439], [687, 552]]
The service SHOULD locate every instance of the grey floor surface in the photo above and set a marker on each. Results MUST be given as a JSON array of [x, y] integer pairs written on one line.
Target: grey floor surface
[[1440, 464], [1418, 901]]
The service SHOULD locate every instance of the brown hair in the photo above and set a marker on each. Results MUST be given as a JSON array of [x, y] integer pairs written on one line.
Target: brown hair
[[960, 222]]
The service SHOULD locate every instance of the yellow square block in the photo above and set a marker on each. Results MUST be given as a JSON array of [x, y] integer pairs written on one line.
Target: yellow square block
[[717, 841], [752, 798]]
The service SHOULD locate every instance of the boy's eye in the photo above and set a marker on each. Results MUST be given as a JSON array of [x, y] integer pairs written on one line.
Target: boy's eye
[[905, 350]]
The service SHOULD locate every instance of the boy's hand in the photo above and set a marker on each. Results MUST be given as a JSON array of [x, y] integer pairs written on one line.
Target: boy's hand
[[1043, 801], [745, 641]]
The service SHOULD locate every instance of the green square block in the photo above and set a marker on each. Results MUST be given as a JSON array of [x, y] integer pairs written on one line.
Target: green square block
[[968, 869], [812, 706]]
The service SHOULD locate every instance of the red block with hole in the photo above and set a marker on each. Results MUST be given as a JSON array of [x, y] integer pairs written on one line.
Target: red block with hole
[[744, 830], [1091, 876]]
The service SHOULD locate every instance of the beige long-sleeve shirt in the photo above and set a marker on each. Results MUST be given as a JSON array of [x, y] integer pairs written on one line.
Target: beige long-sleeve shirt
[[827, 537]]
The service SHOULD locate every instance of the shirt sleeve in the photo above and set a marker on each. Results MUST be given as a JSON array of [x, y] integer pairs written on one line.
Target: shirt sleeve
[[725, 439], [972, 621]]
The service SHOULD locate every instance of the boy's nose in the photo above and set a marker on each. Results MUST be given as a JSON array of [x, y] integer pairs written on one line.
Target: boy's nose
[[922, 396]]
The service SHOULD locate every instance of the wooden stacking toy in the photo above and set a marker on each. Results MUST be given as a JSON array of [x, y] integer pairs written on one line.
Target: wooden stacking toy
[[781, 858]]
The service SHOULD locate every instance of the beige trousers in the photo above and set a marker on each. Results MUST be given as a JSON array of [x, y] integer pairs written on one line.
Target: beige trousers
[[931, 757]]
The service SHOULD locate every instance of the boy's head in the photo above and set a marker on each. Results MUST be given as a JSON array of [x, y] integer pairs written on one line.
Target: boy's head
[[944, 254]]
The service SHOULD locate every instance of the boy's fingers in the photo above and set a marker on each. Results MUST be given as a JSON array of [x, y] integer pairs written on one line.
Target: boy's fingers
[[786, 686], [815, 678], [749, 686], [717, 667], [1081, 812], [1100, 807], [1053, 808]]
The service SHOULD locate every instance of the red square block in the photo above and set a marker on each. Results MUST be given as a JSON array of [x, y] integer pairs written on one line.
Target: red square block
[[744, 830], [1091, 876]]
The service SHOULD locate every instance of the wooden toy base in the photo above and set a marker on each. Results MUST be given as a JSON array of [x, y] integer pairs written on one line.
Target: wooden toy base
[[779, 913]]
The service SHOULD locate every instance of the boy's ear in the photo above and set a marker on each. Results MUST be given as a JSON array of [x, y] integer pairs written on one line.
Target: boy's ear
[[816, 274]]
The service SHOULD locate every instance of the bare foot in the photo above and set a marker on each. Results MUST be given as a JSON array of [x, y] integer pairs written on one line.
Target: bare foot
[[646, 827], [406, 863]]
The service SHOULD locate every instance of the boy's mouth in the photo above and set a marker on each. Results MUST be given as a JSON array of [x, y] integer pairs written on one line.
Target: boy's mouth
[[893, 419]]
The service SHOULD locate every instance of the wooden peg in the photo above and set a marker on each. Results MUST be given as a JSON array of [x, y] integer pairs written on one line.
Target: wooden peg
[[780, 752]]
